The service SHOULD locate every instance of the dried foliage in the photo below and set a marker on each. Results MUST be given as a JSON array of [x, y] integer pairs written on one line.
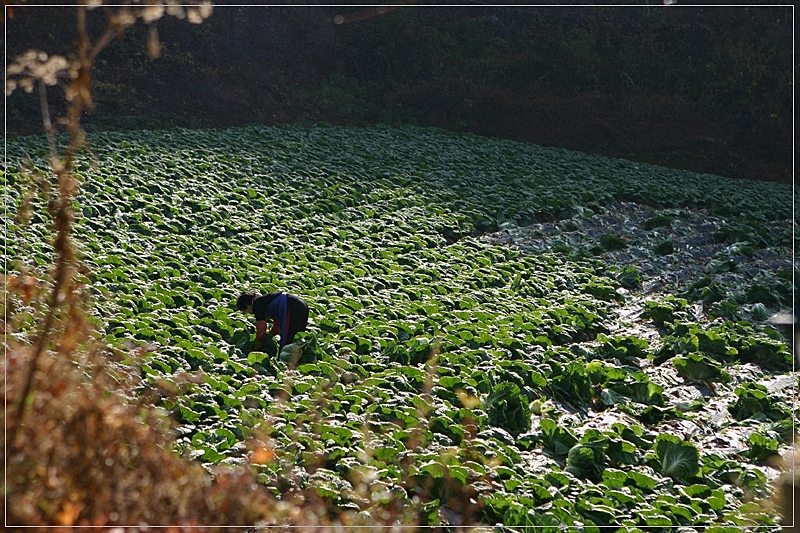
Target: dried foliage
[[64, 308], [78, 451], [85, 456]]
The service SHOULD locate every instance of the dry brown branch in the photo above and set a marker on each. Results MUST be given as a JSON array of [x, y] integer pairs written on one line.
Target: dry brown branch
[[38, 68], [79, 453], [372, 12]]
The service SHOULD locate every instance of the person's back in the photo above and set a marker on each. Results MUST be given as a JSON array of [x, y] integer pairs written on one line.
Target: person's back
[[288, 312]]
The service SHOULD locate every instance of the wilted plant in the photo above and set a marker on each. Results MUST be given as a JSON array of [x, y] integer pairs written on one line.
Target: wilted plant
[[78, 452]]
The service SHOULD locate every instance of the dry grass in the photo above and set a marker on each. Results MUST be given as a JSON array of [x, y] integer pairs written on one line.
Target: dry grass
[[78, 451], [84, 456]]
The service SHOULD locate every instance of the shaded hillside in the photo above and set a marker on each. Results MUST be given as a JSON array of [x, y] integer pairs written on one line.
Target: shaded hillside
[[706, 89]]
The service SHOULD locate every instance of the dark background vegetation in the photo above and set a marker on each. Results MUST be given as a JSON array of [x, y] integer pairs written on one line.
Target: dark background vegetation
[[702, 88]]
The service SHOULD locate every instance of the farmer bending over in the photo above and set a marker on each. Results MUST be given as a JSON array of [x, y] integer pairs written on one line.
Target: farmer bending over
[[288, 312]]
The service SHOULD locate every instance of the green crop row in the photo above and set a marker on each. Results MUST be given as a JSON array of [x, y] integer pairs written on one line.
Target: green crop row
[[434, 363]]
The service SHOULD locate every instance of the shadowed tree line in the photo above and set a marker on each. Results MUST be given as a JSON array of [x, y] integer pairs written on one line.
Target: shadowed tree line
[[703, 88]]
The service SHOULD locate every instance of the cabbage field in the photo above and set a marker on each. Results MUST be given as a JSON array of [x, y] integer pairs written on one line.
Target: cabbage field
[[445, 376]]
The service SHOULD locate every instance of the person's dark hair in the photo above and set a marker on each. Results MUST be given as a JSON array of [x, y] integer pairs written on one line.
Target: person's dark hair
[[245, 299]]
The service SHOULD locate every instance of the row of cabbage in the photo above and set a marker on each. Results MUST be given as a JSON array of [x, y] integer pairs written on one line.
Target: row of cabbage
[[435, 366]]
